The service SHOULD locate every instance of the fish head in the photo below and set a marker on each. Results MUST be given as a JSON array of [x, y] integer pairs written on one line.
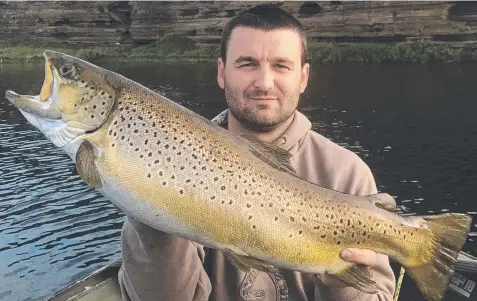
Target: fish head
[[76, 98]]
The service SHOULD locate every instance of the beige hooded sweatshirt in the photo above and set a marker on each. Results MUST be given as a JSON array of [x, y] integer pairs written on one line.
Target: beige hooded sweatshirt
[[157, 266]]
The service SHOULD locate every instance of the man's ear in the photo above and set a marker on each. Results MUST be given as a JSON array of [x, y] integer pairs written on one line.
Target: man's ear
[[220, 73], [305, 73]]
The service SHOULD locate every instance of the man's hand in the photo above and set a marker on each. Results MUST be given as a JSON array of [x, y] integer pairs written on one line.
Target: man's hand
[[361, 256]]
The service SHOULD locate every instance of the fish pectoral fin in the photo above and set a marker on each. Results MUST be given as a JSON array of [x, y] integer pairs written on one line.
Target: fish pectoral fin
[[358, 276], [270, 154], [85, 165], [384, 201], [245, 263]]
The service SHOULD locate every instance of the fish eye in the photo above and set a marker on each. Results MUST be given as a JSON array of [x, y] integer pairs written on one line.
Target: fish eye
[[66, 69]]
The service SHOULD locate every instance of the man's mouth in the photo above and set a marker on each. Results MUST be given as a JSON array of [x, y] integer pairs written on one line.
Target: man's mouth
[[263, 98]]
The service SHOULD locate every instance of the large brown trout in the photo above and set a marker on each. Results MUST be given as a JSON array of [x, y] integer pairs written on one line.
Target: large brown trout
[[180, 173]]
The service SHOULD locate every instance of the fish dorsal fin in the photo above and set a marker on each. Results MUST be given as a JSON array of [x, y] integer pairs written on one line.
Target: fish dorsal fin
[[245, 263], [358, 276], [85, 165], [270, 154]]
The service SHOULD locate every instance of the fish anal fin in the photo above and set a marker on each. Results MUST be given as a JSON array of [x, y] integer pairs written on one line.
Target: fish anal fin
[[245, 263], [270, 154], [85, 165], [358, 276]]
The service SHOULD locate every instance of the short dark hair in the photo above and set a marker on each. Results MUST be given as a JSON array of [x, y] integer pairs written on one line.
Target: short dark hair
[[265, 17]]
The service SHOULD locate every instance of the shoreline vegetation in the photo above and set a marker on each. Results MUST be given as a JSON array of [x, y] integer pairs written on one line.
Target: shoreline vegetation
[[322, 52]]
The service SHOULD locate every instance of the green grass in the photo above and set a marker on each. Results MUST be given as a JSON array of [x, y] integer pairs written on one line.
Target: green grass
[[415, 52]]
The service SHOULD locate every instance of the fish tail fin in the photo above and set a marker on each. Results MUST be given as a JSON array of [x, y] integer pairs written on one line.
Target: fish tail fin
[[449, 233]]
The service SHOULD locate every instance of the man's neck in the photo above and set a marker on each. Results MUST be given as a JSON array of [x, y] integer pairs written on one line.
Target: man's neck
[[270, 135]]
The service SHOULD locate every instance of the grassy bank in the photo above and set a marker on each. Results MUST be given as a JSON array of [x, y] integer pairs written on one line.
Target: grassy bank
[[416, 52]]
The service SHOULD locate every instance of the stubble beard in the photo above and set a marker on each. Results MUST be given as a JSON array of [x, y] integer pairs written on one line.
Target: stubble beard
[[248, 117]]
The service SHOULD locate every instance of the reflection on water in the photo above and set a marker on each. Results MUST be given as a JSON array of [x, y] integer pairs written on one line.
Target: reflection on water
[[413, 125]]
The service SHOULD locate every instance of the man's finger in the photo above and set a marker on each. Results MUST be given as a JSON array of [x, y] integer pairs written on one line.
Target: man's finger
[[361, 256]]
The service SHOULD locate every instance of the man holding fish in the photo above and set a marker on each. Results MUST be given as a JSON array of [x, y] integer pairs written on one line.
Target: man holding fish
[[253, 206], [263, 69]]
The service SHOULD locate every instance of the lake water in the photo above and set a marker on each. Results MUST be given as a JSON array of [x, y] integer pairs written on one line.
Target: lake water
[[415, 126]]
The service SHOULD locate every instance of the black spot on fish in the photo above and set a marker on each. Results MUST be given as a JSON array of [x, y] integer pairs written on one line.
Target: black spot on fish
[[316, 227], [230, 202], [300, 232], [249, 205], [338, 242], [164, 183], [92, 116], [148, 175], [335, 233], [292, 218], [323, 235]]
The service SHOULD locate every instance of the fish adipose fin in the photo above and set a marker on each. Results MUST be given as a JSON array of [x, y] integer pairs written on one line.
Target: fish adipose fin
[[358, 276], [384, 201], [270, 154], [85, 165], [450, 232], [245, 263]]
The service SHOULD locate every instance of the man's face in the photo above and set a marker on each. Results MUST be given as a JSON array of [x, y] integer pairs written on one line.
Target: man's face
[[263, 77]]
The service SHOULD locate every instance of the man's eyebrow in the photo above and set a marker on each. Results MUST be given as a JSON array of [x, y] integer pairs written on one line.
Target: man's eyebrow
[[282, 60], [242, 59]]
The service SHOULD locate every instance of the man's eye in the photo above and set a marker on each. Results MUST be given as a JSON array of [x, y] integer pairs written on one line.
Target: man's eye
[[246, 65], [282, 66]]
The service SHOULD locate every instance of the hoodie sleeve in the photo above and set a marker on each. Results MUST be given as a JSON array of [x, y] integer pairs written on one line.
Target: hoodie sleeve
[[158, 266], [382, 272]]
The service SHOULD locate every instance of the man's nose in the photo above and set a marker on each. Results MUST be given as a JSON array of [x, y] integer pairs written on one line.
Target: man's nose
[[264, 79]]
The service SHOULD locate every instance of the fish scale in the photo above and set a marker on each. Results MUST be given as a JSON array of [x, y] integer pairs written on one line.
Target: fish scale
[[177, 172], [187, 168]]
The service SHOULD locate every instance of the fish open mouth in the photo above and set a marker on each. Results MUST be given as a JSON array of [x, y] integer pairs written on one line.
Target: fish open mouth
[[37, 105], [47, 87]]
